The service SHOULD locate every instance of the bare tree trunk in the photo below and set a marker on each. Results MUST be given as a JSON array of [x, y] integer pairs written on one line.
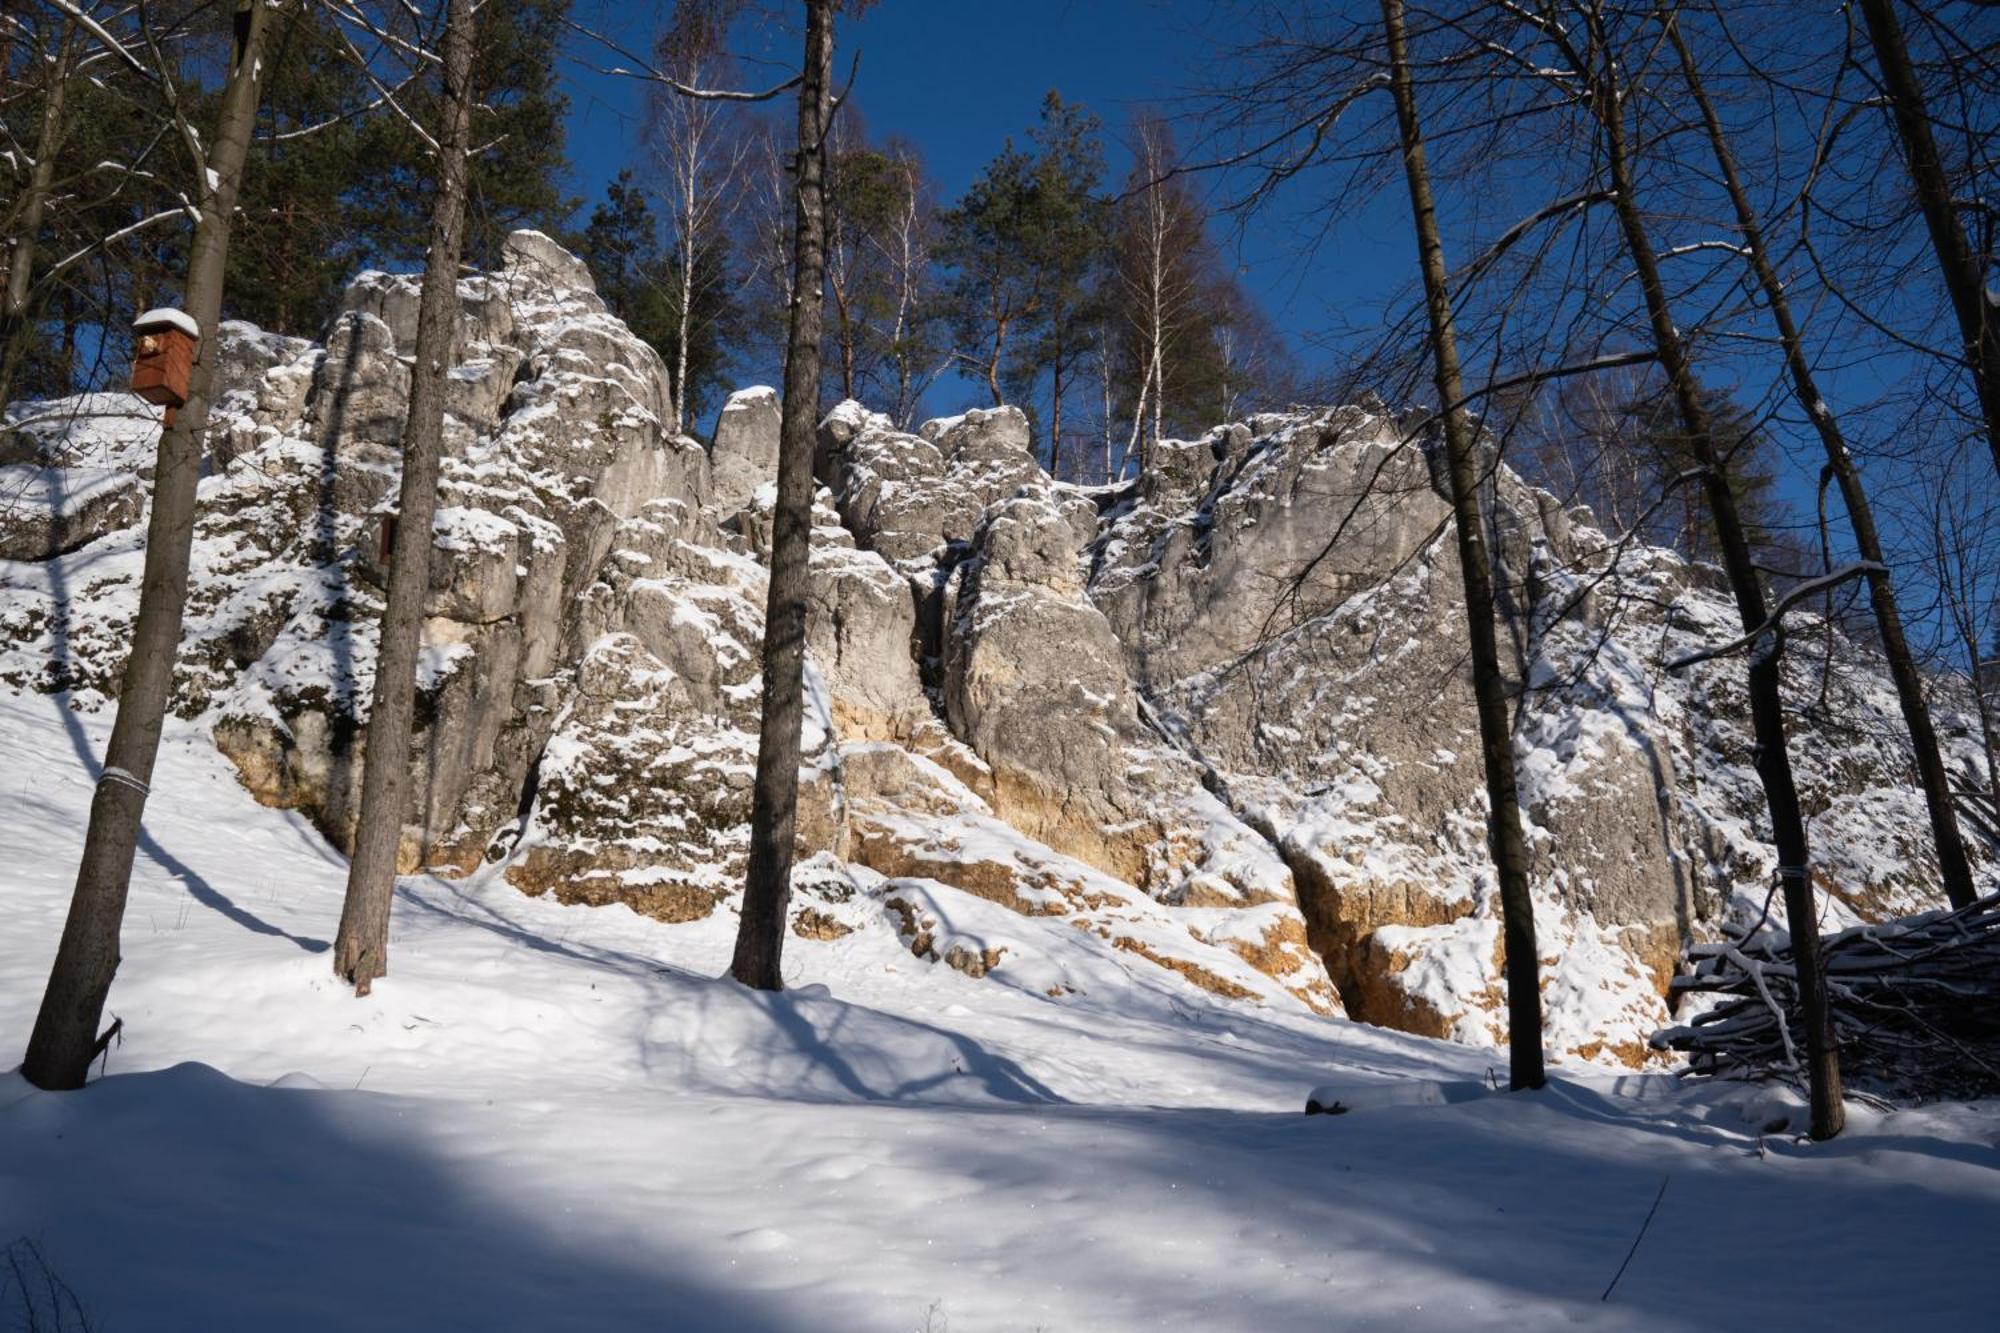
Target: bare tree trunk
[[993, 361], [1136, 442], [686, 330], [1989, 726], [1104, 390], [1503, 818], [846, 353], [906, 223], [1978, 323], [361, 950], [1774, 765], [1953, 866], [1055, 416], [64, 1040], [760, 937], [26, 220]]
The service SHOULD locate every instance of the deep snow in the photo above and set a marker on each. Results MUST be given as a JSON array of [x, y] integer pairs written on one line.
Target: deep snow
[[556, 1117]]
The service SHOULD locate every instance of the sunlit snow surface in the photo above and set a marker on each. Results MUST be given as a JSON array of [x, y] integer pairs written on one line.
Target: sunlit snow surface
[[555, 1117]]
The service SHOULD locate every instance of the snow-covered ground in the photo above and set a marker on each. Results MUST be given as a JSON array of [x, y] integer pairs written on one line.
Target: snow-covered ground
[[554, 1117]]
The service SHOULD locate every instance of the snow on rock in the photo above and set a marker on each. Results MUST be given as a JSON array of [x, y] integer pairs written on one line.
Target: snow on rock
[[744, 454], [555, 1117], [1288, 598], [1207, 733]]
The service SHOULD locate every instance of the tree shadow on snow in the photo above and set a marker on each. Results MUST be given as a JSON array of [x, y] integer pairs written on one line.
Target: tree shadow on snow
[[829, 1035], [1535, 1198], [181, 1198], [198, 888]]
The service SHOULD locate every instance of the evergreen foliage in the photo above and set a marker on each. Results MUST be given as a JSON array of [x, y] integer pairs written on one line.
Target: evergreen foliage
[[637, 277]]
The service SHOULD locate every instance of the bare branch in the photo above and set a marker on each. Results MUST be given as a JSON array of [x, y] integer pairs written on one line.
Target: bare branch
[[1803, 592]]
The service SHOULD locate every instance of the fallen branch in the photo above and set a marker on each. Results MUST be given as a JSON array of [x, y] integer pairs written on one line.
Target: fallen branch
[[1915, 1005]]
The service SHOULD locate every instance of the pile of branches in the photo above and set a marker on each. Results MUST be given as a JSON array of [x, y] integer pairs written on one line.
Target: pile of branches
[[1915, 1004]]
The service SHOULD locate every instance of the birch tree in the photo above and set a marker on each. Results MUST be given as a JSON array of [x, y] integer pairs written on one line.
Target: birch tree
[[1160, 272], [700, 162], [907, 244]]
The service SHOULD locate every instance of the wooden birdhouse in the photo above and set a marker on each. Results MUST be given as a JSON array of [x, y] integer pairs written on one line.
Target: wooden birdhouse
[[163, 347]]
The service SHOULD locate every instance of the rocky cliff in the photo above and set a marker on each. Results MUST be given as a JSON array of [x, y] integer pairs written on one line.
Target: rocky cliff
[[1213, 723]]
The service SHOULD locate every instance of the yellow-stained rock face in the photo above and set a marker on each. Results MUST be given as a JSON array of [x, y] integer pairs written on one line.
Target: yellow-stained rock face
[[1341, 917], [1106, 707], [1371, 973], [598, 879], [1195, 972]]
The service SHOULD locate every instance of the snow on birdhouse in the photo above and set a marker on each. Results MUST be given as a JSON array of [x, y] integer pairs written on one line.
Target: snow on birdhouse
[[163, 347]]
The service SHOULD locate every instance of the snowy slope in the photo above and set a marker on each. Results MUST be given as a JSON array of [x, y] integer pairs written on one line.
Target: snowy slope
[[1214, 723], [555, 1116]]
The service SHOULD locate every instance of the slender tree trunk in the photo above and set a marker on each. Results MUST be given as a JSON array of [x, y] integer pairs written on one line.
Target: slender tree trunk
[[1774, 765], [361, 950], [1989, 726], [846, 353], [1503, 818], [1978, 321], [26, 220], [760, 937], [993, 361], [1104, 389], [1953, 866], [1136, 443], [64, 1040], [1055, 415], [680, 390]]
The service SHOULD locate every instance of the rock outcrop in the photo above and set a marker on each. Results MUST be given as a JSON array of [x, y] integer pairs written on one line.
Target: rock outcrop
[[1217, 717]]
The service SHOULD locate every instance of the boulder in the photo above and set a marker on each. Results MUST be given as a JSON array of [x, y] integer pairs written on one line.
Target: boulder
[[49, 511], [744, 455]]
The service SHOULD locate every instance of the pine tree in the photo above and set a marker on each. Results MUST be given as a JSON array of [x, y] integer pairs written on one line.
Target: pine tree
[[1665, 453], [296, 246], [515, 178], [1068, 238], [995, 288]]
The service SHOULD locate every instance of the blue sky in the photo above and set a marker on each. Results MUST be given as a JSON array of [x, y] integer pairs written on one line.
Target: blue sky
[[957, 79]]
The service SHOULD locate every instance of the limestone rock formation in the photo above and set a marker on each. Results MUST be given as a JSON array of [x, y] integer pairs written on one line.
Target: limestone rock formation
[[1215, 719], [745, 452]]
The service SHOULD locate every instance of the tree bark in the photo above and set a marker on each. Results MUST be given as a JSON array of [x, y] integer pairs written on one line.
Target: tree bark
[[1774, 765], [1978, 321], [1055, 414], [64, 1040], [993, 361], [27, 220], [760, 936], [679, 395], [1503, 818], [361, 949], [1954, 868]]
